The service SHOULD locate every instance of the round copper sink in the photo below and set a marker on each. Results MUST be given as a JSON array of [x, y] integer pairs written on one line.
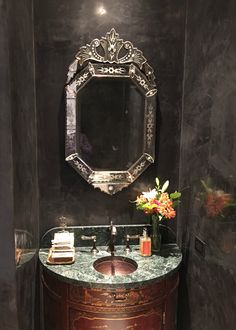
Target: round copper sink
[[111, 265]]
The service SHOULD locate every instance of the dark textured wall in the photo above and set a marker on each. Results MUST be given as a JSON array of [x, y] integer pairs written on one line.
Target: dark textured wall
[[8, 313], [18, 168], [62, 27], [208, 153], [24, 137]]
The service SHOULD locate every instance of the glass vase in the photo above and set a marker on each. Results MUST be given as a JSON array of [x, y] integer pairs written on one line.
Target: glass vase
[[155, 234]]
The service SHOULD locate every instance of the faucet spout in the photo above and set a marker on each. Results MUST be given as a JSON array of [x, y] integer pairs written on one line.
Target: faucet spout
[[111, 244]]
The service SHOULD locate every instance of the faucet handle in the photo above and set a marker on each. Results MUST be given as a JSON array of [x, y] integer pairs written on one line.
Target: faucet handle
[[133, 236], [93, 238], [128, 238], [88, 238]]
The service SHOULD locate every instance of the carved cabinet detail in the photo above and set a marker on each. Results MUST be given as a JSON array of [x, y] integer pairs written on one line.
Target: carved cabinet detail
[[72, 307]]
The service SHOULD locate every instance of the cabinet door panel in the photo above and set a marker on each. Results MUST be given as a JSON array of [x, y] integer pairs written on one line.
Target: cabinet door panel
[[110, 298]]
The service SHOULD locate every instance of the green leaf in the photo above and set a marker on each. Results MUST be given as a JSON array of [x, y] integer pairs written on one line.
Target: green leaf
[[145, 206], [153, 206], [157, 182], [208, 190], [165, 186], [176, 203], [175, 195], [230, 204]]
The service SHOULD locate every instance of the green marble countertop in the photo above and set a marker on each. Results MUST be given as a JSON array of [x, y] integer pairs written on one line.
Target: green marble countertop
[[150, 269]]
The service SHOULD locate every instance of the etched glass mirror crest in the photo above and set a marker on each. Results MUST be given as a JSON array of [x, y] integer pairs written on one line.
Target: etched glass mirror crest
[[110, 113]]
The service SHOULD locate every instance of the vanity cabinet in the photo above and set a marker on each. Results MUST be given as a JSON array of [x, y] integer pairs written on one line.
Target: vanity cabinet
[[72, 307]]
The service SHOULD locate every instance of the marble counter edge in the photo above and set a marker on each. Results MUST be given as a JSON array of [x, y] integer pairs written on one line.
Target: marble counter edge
[[68, 273]]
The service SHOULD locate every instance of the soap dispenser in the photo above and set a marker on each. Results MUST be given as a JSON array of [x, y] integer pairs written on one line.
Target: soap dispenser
[[145, 244]]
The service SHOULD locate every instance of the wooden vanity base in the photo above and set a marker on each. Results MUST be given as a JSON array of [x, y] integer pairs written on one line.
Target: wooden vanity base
[[71, 307]]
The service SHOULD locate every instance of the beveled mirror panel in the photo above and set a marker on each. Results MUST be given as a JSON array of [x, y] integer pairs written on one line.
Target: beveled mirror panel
[[116, 105], [110, 113]]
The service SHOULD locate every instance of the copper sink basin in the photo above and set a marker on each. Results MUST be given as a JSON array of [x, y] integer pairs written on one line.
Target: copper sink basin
[[115, 266]]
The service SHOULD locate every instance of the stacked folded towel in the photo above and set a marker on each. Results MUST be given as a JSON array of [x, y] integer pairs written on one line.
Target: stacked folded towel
[[62, 250]]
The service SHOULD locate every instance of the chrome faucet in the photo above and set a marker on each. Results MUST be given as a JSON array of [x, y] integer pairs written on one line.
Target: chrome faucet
[[113, 233]]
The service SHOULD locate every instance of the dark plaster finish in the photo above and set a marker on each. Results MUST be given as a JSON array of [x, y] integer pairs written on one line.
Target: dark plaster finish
[[208, 150], [61, 27], [24, 136], [8, 311], [19, 198]]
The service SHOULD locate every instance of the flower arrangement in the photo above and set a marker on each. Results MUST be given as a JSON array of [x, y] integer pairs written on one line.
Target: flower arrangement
[[158, 202]]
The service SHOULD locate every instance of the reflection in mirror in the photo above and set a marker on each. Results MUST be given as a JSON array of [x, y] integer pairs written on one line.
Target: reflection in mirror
[[110, 123], [110, 113]]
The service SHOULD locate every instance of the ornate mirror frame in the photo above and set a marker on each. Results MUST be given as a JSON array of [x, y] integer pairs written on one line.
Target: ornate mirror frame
[[110, 57]]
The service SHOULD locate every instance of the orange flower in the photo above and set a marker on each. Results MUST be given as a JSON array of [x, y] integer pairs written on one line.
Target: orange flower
[[216, 201], [165, 208], [140, 200]]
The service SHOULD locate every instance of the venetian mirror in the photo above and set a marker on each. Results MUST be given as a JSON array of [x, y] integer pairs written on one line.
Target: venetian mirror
[[110, 113]]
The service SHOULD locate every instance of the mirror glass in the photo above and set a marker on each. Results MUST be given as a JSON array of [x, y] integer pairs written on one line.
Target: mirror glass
[[111, 123]]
